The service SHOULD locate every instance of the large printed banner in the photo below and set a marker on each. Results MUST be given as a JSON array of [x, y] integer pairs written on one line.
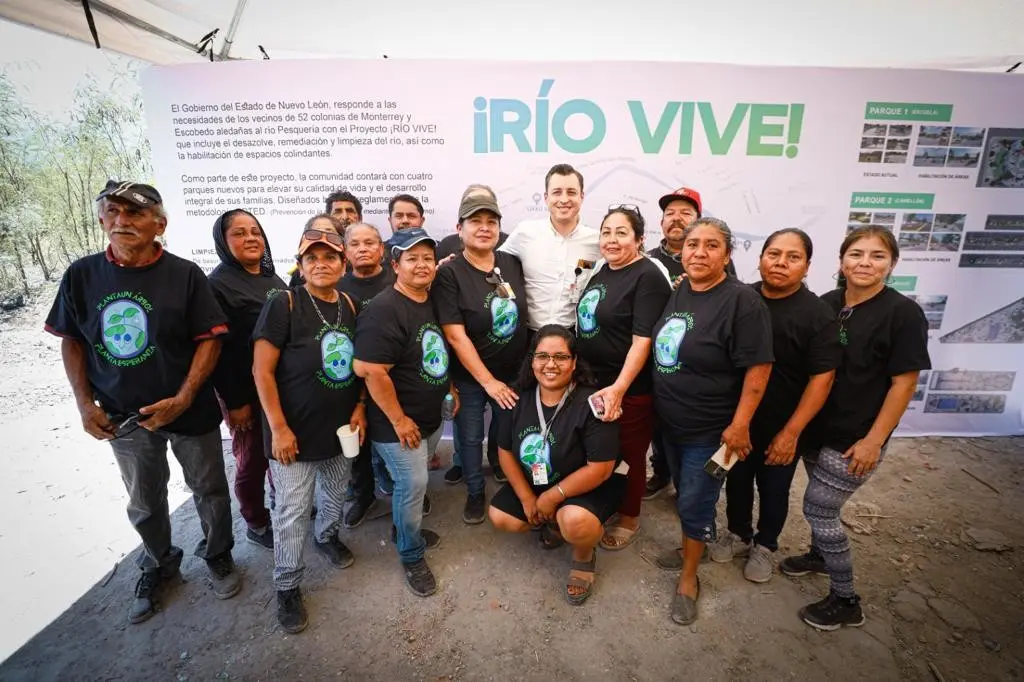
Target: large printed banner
[[937, 157]]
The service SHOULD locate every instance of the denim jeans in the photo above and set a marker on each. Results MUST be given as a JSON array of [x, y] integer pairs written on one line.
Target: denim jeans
[[698, 490], [469, 423], [408, 469], [492, 442]]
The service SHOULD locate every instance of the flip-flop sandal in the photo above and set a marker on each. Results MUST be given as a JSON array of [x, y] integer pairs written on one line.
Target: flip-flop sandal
[[550, 538], [581, 575], [623, 536]]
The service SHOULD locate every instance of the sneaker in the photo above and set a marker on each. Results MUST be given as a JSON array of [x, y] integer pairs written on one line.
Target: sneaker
[[796, 566], [833, 612], [358, 512], [420, 578], [759, 568], [426, 505], [726, 547], [453, 476], [655, 486], [336, 552], [264, 538], [475, 510], [226, 581], [499, 475], [145, 603], [430, 537], [291, 612]]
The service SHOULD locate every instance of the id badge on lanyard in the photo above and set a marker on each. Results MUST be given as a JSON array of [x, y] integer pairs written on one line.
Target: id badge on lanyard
[[539, 470]]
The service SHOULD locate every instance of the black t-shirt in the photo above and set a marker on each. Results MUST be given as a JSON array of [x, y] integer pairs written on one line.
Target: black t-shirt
[[703, 345], [885, 336], [615, 305], [396, 330], [453, 244], [574, 438], [495, 325], [363, 289], [241, 296], [316, 383], [140, 328], [805, 341]]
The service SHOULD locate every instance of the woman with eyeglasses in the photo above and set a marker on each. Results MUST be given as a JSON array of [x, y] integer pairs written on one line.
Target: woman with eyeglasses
[[614, 319], [806, 346], [480, 298], [303, 367], [242, 283], [884, 340], [325, 223], [712, 357], [559, 458]]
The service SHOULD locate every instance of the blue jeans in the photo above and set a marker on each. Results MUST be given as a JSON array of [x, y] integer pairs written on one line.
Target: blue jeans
[[698, 490], [408, 469], [469, 432]]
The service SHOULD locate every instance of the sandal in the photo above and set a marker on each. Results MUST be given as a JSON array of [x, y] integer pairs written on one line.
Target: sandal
[[550, 538], [581, 575], [617, 538]]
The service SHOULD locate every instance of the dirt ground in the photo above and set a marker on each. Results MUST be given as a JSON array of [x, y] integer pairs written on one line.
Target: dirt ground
[[936, 590]]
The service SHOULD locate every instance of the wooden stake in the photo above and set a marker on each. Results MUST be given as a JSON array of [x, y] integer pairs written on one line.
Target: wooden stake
[[981, 480]]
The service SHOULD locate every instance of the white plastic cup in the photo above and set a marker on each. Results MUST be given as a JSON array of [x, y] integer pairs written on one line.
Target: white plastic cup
[[349, 439]]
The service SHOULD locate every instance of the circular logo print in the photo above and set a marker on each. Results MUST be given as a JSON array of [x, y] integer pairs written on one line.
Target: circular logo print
[[666, 346], [533, 450], [435, 355], [125, 329], [504, 317], [586, 311], [336, 350]]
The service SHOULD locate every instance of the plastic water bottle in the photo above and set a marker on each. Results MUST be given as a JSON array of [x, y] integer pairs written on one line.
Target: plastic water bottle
[[448, 407]]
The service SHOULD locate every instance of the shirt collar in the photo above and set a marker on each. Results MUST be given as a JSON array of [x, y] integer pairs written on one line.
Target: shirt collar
[[677, 257], [155, 258], [551, 224]]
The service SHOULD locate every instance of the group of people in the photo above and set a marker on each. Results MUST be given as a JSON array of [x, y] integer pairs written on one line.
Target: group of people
[[587, 350]]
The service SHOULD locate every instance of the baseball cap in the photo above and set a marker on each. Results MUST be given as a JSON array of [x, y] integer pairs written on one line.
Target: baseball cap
[[143, 196], [311, 237], [684, 193], [403, 240], [478, 202]]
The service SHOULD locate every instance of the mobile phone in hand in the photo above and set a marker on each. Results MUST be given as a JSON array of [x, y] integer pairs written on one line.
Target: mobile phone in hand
[[596, 405]]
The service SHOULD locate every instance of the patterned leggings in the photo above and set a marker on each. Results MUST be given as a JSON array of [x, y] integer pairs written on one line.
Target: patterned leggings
[[828, 488]]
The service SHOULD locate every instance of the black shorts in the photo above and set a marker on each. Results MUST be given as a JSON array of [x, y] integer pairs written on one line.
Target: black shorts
[[602, 501]]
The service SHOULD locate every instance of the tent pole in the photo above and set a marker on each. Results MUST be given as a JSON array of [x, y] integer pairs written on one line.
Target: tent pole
[[124, 17], [236, 18]]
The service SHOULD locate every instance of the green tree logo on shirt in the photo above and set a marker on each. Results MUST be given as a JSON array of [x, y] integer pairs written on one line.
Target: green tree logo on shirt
[[125, 329], [434, 354], [586, 311], [337, 350], [504, 317], [533, 450], [669, 340]]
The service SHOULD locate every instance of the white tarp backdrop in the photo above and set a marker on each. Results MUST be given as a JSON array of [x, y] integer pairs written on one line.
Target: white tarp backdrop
[[936, 156]]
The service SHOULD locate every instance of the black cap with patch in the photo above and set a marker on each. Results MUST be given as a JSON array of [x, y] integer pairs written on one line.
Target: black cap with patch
[[143, 196]]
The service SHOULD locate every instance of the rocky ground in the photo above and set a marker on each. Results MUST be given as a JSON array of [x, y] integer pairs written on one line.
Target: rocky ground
[[936, 535]]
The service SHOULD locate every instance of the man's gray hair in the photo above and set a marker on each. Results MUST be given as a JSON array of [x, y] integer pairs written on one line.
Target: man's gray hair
[[351, 227]]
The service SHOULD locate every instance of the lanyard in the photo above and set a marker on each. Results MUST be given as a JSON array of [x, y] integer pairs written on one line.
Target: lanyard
[[545, 426]]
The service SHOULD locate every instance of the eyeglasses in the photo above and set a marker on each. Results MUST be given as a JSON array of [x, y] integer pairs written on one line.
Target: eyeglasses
[[501, 287], [632, 208], [843, 316], [559, 358], [331, 237]]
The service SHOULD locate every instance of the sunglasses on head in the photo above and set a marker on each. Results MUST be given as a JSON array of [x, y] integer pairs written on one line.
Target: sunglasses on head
[[317, 235], [632, 208]]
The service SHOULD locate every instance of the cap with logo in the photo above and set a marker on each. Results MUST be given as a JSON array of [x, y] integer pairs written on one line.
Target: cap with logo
[[474, 203], [403, 240], [685, 194], [143, 196]]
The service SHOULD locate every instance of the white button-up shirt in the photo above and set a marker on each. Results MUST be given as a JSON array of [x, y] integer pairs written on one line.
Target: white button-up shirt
[[556, 268]]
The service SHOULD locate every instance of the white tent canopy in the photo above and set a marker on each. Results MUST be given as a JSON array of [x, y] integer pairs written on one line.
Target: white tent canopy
[[982, 35]]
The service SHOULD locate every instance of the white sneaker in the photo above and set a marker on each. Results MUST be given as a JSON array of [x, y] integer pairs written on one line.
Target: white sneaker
[[728, 546], [760, 567]]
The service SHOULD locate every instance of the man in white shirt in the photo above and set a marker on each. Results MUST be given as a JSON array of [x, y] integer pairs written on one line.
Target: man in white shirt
[[557, 253]]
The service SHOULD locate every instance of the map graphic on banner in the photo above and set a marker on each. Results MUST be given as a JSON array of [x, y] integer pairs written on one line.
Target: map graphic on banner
[[936, 157]]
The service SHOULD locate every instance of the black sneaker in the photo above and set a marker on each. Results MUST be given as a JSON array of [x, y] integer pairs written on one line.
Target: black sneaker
[[796, 566], [655, 486], [358, 512], [226, 581], [499, 475], [475, 510], [336, 552], [426, 505], [264, 539], [833, 612], [453, 476], [430, 537], [291, 612], [420, 578]]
